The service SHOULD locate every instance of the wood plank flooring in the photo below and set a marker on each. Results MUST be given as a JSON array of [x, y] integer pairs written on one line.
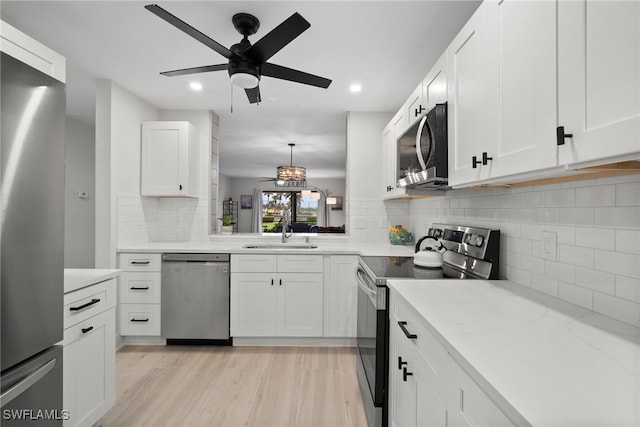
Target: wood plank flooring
[[236, 386]]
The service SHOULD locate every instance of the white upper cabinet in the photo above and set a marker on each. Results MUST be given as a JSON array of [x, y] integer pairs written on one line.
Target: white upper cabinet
[[599, 79], [169, 159], [472, 85], [434, 85], [413, 108], [33, 53]]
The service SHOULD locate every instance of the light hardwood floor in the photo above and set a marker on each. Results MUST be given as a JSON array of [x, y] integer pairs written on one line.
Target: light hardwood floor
[[236, 386]]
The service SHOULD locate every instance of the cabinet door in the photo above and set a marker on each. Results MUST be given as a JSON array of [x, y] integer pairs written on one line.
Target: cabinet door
[[599, 79], [472, 84], [414, 106], [253, 304], [434, 85], [527, 87], [165, 159], [342, 290], [89, 369], [390, 168], [299, 305]]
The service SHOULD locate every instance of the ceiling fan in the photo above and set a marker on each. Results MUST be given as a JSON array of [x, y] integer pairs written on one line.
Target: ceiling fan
[[248, 63]]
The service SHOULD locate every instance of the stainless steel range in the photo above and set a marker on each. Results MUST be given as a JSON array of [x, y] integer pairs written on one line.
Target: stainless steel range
[[469, 253]]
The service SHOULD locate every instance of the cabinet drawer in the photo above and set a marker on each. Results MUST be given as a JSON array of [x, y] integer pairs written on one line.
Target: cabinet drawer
[[87, 302], [140, 262], [140, 319], [300, 264], [253, 263], [140, 288], [428, 346]]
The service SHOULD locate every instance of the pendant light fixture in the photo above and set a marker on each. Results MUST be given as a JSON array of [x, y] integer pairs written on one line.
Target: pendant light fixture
[[291, 176]]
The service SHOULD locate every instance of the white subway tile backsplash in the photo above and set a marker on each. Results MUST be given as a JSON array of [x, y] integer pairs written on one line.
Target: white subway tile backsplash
[[628, 288], [565, 197], [544, 284], [576, 216], [617, 217], [575, 295], [559, 271], [599, 238], [628, 194], [595, 280], [617, 263], [623, 310], [575, 255], [601, 195], [628, 241]]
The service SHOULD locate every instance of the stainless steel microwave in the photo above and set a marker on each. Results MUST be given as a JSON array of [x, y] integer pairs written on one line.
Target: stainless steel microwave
[[422, 152]]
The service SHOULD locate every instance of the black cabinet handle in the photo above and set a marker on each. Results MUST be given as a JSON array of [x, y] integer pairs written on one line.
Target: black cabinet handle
[[139, 320], [85, 330], [280, 282], [140, 262], [400, 362], [83, 306], [271, 282], [406, 332], [406, 374], [389, 188], [136, 288], [418, 110], [475, 162], [485, 158], [560, 135]]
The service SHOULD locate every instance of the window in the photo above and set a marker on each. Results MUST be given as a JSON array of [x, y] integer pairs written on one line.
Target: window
[[304, 211]]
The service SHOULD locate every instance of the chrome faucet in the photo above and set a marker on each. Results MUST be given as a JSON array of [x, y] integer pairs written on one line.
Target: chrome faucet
[[286, 219]]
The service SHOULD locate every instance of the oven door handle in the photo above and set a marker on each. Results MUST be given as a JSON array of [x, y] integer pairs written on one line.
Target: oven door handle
[[362, 283]]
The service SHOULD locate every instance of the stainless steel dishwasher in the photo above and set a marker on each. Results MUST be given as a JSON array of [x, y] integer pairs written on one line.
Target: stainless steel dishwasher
[[195, 298]]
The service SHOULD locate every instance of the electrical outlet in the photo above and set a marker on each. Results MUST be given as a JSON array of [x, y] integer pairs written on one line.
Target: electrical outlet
[[549, 245]]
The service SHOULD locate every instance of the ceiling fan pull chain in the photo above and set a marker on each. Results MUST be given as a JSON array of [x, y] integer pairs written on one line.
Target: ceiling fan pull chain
[[231, 98]]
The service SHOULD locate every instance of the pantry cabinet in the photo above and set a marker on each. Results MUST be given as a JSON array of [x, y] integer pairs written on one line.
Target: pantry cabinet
[[598, 79], [276, 295], [169, 159]]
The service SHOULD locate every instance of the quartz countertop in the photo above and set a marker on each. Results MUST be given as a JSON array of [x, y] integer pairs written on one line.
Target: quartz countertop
[[555, 363], [77, 278], [329, 246]]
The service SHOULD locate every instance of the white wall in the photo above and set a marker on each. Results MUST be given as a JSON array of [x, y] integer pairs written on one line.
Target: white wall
[[79, 224], [118, 117], [597, 223]]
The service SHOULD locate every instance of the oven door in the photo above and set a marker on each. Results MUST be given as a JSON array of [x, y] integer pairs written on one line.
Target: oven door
[[372, 330]]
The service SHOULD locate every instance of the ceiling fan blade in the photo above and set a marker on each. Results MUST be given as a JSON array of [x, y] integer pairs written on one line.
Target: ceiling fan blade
[[253, 94], [277, 38], [195, 70], [284, 73], [183, 26]]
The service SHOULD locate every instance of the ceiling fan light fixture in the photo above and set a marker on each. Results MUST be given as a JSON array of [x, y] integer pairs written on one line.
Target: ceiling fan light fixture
[[244, 80]]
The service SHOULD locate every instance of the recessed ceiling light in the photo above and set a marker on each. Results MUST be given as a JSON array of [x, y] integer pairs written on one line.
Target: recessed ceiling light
[[195, 86], [355, 88]]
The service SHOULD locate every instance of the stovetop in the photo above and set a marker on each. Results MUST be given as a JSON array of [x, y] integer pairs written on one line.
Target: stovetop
[[400, 268]]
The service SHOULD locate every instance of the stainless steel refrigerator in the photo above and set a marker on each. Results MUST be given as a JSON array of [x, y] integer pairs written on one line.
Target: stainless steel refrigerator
[[32, 116]]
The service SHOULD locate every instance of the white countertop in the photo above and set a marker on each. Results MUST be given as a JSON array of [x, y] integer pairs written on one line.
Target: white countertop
[[77, 278], [235, 245], [556, 364]]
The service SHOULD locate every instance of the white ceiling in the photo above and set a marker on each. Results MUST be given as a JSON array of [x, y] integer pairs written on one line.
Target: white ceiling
[[386, 46]]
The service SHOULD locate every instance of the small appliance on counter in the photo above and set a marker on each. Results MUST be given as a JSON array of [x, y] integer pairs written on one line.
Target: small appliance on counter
[[462, 252]]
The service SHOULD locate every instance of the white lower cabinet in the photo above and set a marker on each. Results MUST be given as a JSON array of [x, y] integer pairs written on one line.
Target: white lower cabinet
[[89, 353], [277, 303], [427, 387], [139, 294], [341, 296]]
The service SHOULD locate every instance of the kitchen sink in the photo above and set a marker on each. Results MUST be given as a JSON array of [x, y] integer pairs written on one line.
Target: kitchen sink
[[279, 246]]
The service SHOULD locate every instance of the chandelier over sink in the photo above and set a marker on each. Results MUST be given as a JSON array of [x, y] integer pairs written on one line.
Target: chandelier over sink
[[291, 176]]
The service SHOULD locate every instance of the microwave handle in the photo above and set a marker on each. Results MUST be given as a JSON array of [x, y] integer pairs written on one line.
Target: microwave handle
[[423, 122]]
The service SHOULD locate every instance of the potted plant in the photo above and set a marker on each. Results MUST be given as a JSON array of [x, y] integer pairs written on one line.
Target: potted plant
[[227, 224]]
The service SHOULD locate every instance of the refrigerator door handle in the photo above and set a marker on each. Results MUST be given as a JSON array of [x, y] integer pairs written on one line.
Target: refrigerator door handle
[[25, 383]]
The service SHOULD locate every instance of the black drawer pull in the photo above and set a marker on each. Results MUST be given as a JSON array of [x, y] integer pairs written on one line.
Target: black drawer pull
[[83, 306], [139, 320], [140, 262], [406, 332], [561, 136], [85, 330], [400, 362], [141, 288], [405, 374]]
